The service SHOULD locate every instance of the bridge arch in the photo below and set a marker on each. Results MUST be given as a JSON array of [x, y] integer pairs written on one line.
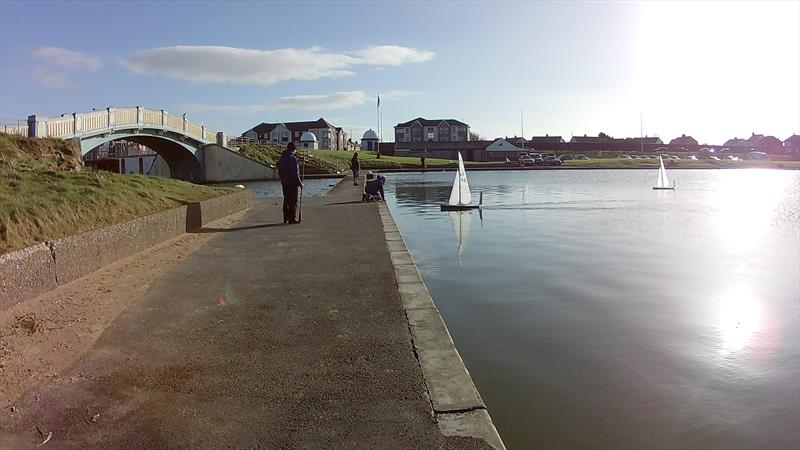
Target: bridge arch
[[185, 160]]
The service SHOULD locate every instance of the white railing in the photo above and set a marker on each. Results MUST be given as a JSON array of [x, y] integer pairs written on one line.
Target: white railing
[[60, 128], [110, 119], [20, 130]]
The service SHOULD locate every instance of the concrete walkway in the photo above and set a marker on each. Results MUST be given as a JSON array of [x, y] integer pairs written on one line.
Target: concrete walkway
[[270, 336]]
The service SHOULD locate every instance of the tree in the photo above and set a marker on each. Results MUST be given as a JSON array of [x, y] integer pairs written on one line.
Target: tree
[[604, 136], [473, 136]]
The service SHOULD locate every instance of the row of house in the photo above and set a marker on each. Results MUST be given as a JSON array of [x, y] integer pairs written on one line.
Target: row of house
[[327, 135], [443, 138]]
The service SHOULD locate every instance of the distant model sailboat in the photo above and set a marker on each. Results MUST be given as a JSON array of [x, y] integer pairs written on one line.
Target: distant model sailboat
[[663, 181], [460, 197]]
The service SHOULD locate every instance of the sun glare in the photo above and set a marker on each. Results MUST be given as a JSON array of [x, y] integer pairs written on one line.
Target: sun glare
[[705, 63], [740, 318], [745, 203]]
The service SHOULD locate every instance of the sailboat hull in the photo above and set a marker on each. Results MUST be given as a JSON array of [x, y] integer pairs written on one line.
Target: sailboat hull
[[663, 188], [446, 207]]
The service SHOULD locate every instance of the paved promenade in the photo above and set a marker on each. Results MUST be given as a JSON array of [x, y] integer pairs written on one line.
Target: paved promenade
[[270, 336]]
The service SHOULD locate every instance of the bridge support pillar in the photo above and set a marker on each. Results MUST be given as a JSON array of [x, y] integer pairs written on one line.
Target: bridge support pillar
[[37, 126]]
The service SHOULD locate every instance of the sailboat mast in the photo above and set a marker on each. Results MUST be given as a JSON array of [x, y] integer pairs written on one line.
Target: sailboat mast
[[522, 128]]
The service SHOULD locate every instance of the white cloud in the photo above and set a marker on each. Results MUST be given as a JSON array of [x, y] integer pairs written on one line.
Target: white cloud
[[337, 100], [217, 64], [392, 55], [57, 62]]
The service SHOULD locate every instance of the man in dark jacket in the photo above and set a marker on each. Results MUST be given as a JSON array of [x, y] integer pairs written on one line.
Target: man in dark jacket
[[289, 171], [355, 166], [374, 189]]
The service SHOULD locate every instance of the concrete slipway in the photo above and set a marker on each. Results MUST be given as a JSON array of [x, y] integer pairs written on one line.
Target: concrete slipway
[[316, 335]]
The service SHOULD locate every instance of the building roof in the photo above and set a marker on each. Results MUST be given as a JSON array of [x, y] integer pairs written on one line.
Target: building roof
[[430, 122], [683, 140], [588, 140], [369, 134], [793, 139], [736, 142], [546, 140], [264, 128]]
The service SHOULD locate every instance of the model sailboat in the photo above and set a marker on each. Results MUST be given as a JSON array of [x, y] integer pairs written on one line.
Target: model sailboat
[[663, 181], [460, 197]]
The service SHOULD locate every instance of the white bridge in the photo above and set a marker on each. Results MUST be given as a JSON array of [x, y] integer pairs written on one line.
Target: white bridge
[[181, 143]]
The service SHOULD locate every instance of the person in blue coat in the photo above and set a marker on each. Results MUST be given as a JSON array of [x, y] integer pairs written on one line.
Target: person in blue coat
[[374, 189], [289, 171]]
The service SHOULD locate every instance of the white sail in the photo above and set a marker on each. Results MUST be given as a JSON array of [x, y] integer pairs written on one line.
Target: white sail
[[460, 194], [663, 181]]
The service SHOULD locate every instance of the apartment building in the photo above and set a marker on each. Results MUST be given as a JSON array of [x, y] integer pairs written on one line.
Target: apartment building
[[435, 130]]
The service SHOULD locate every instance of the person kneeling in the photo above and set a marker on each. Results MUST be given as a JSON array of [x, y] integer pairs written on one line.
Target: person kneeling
[[373, 191]]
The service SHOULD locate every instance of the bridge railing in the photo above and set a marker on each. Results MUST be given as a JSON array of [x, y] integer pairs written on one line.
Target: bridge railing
[[20, 130], [110, 119]]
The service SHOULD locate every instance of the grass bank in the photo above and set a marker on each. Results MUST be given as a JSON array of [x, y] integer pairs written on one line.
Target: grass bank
[[45, 195]]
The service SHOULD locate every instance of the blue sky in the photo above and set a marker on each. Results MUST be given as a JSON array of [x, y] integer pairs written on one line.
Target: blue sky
[[711, 70]]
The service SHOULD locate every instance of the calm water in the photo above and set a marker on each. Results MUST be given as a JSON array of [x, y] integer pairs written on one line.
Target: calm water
[[272, 189], [594, 312]]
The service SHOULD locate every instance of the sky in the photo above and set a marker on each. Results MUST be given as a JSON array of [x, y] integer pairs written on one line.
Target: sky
[[713, 70]]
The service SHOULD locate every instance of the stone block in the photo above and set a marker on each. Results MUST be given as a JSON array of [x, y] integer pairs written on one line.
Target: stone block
[[475, 423], [25, 274], [449, 383]]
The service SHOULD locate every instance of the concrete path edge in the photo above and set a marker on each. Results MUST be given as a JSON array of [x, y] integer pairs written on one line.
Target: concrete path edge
[[456, 403]]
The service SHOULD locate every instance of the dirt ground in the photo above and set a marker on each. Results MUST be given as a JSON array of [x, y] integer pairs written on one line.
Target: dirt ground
[[41, 337]]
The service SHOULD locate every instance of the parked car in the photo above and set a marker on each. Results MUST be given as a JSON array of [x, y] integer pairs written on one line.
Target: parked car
[[692, 157], [636, 157], [624, 157], [538, 161], [725, 149], [552, 161], [714, 158], [664, 156], [526, 160], [675, 157], [582, 157], [758, 155], [564, 157], [733, 158]]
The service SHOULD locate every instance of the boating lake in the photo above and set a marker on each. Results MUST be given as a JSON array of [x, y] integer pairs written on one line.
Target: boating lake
[[595, 312]]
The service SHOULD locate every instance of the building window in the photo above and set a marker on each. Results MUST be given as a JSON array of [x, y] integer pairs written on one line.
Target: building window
[[284, 136]]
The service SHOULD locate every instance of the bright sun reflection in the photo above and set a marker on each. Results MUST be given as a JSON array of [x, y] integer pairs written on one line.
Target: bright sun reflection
[[740, 318], [746, 201]]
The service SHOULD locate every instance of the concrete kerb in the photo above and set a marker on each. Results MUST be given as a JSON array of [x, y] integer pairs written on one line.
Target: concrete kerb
[[455, 401]]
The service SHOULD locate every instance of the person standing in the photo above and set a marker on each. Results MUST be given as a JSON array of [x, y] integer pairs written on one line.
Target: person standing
[[355, 166], [289, 172]]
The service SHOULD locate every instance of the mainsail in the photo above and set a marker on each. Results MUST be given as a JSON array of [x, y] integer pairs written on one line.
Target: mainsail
[[460, 194], [663, 181]]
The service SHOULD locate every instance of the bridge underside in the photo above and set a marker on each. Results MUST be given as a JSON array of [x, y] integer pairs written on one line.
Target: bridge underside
[[183, 156]]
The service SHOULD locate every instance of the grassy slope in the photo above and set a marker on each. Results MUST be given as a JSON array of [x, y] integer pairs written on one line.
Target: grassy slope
[[44, 196]]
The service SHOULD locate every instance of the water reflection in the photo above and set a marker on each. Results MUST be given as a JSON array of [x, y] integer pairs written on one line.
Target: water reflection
[[739, 319], [586, 301]]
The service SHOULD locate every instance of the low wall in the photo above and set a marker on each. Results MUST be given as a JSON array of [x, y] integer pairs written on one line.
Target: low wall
[[223, 165], [42, 267]]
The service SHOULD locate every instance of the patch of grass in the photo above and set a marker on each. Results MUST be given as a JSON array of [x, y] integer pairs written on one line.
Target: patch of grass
[[44, 196], [369, 160], [265, 154]]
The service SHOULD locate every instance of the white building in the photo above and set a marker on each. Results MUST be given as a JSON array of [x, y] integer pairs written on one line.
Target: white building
[[308, 141], [369, 141], [501, 149]]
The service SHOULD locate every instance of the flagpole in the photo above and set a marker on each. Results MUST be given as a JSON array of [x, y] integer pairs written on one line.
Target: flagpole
[[380, 133]]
